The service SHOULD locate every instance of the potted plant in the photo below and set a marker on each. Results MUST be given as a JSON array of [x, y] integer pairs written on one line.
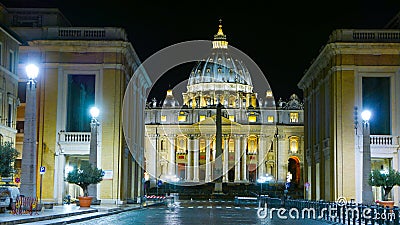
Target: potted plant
[[387, 180], [84, 176]]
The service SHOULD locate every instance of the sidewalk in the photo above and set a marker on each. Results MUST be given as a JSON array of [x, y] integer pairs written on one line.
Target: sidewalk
[[64, 214]]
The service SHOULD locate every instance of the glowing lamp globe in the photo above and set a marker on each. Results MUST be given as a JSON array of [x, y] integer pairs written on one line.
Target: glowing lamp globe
[[94, 112], [366, 115], [32, 71]]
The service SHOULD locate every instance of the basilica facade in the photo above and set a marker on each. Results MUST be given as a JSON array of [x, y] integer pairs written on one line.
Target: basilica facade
[[259, 138]]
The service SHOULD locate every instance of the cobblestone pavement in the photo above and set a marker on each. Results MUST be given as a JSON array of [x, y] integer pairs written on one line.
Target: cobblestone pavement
[[64, 213], [197, 212]]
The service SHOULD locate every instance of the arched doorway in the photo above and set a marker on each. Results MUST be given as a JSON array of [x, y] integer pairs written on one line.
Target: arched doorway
[[294, 169]]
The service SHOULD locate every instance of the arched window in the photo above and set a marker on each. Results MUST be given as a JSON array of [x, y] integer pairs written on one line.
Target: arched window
[[252, 145], [181, 148], [293, 144], [202, 145], [162, 145]]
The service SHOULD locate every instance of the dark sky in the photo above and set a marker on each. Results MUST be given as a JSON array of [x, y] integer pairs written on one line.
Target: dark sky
[[282, 37]]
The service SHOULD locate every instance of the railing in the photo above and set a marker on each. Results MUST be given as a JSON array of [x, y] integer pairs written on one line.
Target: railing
[[76, 33], [349, 35], [89, 33], [340, 212], [75, 137], [384, 140], [25, 205]]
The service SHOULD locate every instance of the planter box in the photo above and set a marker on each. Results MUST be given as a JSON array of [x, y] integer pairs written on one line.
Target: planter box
[[48, 205], [385, 204]]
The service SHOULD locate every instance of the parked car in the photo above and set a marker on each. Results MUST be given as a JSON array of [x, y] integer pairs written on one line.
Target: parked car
[[8, 195]]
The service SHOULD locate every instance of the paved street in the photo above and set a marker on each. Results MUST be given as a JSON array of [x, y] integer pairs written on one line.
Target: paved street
[[195, 212]]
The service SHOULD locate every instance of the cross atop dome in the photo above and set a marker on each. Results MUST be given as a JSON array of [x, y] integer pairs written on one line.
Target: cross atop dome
[[220, 38]]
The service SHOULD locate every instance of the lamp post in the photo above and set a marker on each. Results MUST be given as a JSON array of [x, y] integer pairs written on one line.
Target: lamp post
[[367, 196], [264, 179], [261, 180], [94, 123], [29, 153]]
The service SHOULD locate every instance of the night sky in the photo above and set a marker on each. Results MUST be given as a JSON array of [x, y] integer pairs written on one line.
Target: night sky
[[282, 37]]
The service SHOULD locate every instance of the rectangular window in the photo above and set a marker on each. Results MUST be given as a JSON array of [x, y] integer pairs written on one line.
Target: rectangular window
[[20, 126], [181, 118], [163, 118], [294, 117], [1, 53], [11, 61], [81, 94], [252, 118], [10, 115], [376, 98], [22, 92], [270, 119]]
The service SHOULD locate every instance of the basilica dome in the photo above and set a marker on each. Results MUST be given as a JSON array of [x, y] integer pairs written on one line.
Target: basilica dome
[[219, 78], [220, 68]]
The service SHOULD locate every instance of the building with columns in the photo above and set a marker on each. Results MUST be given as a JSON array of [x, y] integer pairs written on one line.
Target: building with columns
[[356, 70], [259, 137], [79, 67]]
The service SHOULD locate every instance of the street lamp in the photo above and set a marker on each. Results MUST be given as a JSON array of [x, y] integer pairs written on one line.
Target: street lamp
[[264, 179], [367, 196], [29, 153], [94, 123]]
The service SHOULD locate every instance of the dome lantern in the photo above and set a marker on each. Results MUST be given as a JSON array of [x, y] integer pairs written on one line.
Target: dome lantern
[[220, 38]]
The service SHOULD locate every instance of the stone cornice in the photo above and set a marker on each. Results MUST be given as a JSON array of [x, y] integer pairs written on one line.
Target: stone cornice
[[339, 48]]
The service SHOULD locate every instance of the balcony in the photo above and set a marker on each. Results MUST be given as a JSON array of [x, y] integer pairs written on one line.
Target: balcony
[[74, 142], [384, 144], [384, 140]]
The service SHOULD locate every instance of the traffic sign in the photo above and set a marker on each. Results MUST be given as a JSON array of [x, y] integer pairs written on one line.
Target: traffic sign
[[42, 170]]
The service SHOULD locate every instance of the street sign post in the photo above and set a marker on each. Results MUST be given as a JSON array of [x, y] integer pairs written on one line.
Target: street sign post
[[42, 171]]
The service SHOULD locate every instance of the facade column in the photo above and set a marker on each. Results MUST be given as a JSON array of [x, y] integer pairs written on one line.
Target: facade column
[[152, 154], [189, 159], [172, 156], [59, 183], [208, 163], [226, 159], [214, 150], [237, 158], [261, 155], [244, 158], [214, 153], [196, 160]]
